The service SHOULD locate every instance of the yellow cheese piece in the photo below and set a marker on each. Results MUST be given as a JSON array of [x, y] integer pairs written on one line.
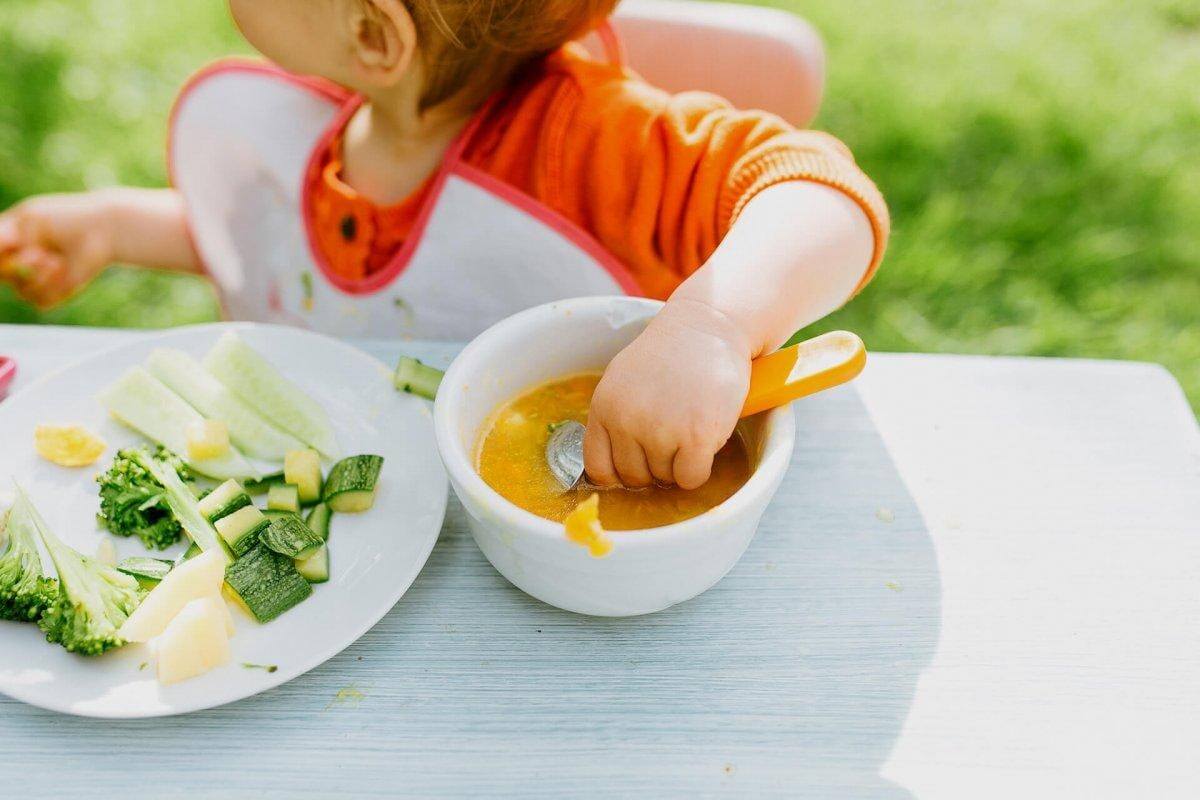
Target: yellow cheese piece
[[68, 446], [196, 641], [583, 528], [195, 578]]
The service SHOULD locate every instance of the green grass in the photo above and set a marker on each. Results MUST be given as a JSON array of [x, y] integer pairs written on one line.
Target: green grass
[[1041, 160]]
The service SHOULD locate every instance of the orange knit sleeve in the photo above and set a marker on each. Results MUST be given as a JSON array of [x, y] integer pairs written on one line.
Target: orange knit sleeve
[[659, 179]]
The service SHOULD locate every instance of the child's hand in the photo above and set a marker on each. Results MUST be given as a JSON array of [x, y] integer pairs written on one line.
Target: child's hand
[[51, 246], [669, 401]]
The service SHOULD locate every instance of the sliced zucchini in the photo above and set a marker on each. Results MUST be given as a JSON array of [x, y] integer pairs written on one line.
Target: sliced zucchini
[[142, 402], [315, 568], [223, 501], [289, 536], [258, 384], [249, 432], [416, 378], [263, 485], [192, 551], [266, 583], [241, 529], [284, 497], [302, 469], [148, 571], [319, 520], [351, 485]]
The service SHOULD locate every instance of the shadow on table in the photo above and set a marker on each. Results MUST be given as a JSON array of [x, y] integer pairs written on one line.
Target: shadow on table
[[791, 678]]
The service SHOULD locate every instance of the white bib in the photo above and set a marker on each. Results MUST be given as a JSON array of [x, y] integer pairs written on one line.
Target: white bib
[[243, 138]]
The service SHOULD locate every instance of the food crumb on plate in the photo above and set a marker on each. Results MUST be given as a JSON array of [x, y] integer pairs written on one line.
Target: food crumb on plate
[[885, 515], [894, 586]]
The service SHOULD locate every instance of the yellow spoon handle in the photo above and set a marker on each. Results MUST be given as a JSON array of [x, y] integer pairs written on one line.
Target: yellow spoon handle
[[828, 360]]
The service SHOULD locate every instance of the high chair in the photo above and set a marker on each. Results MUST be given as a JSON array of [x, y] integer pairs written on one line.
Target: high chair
[[761, 58]]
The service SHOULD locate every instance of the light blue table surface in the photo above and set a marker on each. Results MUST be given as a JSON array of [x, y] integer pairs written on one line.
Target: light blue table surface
[[797, 675]]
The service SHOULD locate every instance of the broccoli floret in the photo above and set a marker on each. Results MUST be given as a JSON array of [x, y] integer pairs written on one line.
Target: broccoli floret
[[25, 592], [132, 502], [93, 599]]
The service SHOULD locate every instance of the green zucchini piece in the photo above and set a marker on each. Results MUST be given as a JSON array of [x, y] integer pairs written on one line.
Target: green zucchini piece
[[274, 513], [315, 568], [223, 501], [266, 583], [319, 520], [263, 485], [416, 378], [284, 497], [192, 551], [290, 536], [351, 485], [241, 529], [148, 571], [302, 469], [258, 384]]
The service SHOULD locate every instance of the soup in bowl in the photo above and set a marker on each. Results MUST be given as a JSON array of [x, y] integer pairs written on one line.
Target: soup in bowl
[[664, 545]]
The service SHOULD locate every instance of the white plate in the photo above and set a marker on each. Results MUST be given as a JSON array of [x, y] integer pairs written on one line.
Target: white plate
[[374, 556]]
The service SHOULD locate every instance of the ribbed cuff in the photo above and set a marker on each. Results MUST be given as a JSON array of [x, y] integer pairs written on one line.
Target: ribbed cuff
[[800, 164]]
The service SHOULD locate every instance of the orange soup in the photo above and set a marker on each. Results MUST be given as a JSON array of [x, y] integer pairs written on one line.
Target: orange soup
[[511, 458]]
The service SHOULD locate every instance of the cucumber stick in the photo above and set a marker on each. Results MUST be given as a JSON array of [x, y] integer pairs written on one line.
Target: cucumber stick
[[258, 384], [144, 403], [248, 431], [350, 488]]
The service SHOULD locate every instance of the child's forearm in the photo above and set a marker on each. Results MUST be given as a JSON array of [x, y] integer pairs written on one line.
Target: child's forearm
[[149, 229], [795, 254]]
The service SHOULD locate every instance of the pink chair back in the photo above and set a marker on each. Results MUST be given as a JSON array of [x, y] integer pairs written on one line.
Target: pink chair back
[[759, 58]]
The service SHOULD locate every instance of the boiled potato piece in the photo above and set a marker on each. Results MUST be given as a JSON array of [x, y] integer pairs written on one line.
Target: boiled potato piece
[[196, 641], [195, 578], [207, 439]]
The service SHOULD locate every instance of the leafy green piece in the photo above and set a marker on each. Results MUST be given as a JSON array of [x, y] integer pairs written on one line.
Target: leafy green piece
[[93, 600], [133, 502], [25, 592]]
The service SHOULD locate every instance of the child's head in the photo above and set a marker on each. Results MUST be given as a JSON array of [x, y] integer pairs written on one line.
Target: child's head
[[460, 49]]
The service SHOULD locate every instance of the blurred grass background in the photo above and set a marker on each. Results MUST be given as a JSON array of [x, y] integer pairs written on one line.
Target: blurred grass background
[[1041, 159]]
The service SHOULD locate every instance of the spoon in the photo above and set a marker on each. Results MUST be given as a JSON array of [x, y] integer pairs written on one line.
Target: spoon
[[821, 363]]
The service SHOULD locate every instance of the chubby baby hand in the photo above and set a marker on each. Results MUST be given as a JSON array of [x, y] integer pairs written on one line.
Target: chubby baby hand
[[669, 401], [51, 246]]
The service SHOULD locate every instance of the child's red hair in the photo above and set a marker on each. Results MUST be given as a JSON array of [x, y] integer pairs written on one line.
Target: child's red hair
[[472, 47]]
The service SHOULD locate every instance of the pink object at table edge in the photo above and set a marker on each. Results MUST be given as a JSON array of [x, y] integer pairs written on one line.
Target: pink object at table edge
[[8, 371]]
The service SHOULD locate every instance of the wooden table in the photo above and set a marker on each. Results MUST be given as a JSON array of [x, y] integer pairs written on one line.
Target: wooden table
[[981, 578]]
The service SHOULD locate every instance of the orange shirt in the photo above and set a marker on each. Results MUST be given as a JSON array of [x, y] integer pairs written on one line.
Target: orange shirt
[[656, 178]]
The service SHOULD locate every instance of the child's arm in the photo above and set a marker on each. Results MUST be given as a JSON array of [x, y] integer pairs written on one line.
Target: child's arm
[[52, 246], [670, 400]]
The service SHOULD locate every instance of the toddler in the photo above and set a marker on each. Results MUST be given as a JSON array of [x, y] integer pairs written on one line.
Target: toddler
[[428, 167]]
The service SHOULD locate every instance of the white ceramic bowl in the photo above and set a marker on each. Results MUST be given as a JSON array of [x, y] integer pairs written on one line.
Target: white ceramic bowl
[[647, 570]]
